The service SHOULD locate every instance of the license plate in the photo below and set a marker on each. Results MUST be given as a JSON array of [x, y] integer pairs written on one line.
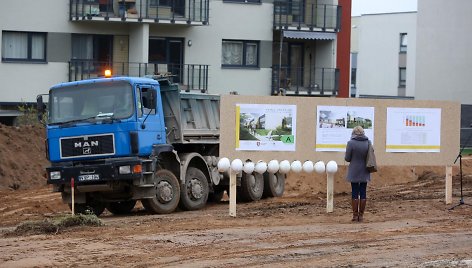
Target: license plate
[[90, 177]]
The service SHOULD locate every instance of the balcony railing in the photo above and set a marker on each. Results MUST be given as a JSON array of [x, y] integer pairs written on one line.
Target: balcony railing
[[305, 81], [298, 14], [189, 76], [188, 11]]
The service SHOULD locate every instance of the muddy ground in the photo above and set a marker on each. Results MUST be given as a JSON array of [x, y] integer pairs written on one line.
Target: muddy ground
[[407, 223]]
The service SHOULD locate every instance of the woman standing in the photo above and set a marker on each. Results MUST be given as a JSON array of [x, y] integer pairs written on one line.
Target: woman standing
[[357, 174]]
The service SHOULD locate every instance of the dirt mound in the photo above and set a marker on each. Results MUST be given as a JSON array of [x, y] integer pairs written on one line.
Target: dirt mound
[[22, 157]]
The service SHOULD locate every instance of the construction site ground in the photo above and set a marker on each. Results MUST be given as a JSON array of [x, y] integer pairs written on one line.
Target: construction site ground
[[407, 223]]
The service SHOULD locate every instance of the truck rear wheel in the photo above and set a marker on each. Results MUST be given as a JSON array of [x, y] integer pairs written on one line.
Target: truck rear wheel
[[274, 184], [167, 194], [252, 186], [121, 207], [194, 192]]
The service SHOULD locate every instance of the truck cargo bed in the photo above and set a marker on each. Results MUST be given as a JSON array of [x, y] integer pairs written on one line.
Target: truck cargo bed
[[190, 117]]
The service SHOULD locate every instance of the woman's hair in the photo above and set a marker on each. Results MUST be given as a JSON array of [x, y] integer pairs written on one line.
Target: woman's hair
[[357, 131]]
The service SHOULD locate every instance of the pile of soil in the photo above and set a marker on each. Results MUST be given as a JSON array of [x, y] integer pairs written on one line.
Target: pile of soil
[[23, 162], [22, 157]]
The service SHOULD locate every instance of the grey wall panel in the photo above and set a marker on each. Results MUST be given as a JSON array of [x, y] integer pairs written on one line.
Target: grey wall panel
[[59, 47], [266, 54]]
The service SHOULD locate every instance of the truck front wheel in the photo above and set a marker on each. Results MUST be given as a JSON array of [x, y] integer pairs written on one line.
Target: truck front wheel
[[167, 193], [194, 191]]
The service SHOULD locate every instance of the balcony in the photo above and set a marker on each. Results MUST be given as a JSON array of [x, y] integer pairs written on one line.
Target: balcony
[[316, 82], [188, 76], [298, 15], [191, 12]]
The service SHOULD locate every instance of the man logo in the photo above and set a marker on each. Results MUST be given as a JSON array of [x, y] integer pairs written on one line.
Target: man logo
[[86, 144], [87, 150]]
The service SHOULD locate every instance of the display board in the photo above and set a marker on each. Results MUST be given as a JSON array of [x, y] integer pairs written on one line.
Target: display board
[[311, 128]]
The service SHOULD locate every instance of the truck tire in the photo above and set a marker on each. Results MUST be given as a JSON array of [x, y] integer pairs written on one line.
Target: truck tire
[[167, 194], [94, 207], [252, 187], [274, 184], [121, 207], [194, 192]]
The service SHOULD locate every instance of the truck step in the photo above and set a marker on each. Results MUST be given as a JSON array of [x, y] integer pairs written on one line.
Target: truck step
[[146, 185]]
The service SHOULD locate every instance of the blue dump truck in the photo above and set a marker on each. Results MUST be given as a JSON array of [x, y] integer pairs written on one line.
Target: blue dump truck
[[123, 139]]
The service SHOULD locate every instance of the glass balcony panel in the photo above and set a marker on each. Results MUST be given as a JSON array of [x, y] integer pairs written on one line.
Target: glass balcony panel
[[186, 11], [309, 81], [188, 76]]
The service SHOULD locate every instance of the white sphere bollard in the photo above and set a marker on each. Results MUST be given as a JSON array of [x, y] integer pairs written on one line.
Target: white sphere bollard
[[296, 166], [284, 167], [320, 167], [308, 166], [223, 164], [261, 167], [331, 167], [273, 166], [236, 165], [248, 167]]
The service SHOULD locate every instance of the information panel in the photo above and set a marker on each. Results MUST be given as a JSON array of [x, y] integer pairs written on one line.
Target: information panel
[[413, 130]]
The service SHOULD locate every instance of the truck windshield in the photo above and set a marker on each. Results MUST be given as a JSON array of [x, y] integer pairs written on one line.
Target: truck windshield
[[91, 102]]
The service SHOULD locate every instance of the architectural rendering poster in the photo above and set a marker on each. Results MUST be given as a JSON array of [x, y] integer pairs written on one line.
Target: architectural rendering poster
[[413, 129], [265, 127], [335, 123]]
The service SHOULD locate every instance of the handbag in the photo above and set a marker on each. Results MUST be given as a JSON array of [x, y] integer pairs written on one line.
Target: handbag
[[370, 162]]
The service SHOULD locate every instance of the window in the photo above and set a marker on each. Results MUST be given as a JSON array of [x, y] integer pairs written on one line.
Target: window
[[402, 78], [23, 46], [403, 42], [155, 3], [243, 1], [237, 53], [353, 77]]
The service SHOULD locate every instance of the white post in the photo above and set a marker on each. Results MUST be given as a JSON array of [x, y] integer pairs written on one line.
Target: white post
[[232, 194], [329, 192], [331, 169], [448, 184]]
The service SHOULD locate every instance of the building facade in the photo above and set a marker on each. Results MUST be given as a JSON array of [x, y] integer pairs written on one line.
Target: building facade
[[254, 47], [444, 60], [383, 55]]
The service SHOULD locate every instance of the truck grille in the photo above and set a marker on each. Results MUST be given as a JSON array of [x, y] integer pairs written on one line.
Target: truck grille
[[86, 146]]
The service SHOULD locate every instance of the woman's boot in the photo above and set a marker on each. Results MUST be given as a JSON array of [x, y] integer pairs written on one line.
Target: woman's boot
[[355, 209], [362, 209]]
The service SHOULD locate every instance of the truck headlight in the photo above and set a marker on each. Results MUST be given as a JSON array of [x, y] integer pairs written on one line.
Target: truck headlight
[[55, 175], [125, 169]]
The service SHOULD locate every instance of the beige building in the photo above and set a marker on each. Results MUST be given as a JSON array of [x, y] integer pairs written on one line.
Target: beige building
[[216, 46]]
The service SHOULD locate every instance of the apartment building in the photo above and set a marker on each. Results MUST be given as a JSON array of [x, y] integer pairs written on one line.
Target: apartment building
[[252, 47], [383, 55]]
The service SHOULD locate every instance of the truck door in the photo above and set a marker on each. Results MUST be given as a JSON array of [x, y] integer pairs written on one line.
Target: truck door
[[151, 129]]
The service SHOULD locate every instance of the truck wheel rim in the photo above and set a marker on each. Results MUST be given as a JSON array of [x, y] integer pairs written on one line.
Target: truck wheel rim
[[165, 192], [196, 189]]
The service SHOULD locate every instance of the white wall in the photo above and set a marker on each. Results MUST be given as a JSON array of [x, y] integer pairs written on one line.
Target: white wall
[[378, 53], [232, 21], [444, 56], [50, 16]]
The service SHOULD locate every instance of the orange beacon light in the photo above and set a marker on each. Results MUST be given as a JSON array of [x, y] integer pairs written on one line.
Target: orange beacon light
[[107, 73]]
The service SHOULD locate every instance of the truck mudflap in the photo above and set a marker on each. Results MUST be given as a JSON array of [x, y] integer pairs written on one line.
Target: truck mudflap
[[93, 173]]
